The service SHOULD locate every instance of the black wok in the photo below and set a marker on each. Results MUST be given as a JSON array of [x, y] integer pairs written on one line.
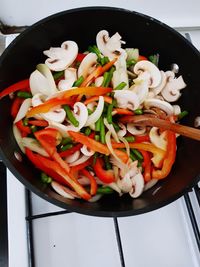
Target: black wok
[[151, 37]]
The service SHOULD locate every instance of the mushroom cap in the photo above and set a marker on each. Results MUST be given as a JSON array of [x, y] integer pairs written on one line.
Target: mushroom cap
[[127, 99], [163, 105], [131, 128], [158, 139], [156, 90], [138, 182], [59, 58], [109, 46], [145, 65], [70, 78]]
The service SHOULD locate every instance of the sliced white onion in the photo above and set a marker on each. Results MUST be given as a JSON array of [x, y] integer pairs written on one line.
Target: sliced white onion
[[60, 127], [63, 190], [80, 160], [95, 198], [97, 113], [98, 81], [150, 184], [86, 151], [83, 180], [44, 69], [111, 129], [33, 145], [123, 130], [177, 109], [81, 114], [73, 158], [131, 128], [115, 187], [18, 138], [23, 110], [126, 145]]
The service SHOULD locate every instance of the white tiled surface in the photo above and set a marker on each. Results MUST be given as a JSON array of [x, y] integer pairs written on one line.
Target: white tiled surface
[[175, 13]]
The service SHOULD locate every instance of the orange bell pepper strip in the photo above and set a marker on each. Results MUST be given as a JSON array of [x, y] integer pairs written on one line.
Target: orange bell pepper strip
[[65, 99], [107, 99], [106, 176], [93, 183], [96, 146], [123, 111], [53, 169], [158, 154], [146, 165], [16, 106], [97, 72], [49, 138], [21, 85], [40, 123], [169, 158], [45, 107]]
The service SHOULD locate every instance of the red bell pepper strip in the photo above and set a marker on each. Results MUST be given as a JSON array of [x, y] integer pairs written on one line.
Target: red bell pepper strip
[[70, 151], [142, 138], [96, 146], [106, 176], [23, 128], [21, 85], [93, 183], [80, 57], [97, 72], [49, 138], [169, 158], [81, 166], [88, 91], [16, 106], [146, 165], [123, 111], [107, 99], [142, 58], [158, 154], [51, 168], [40, 123]]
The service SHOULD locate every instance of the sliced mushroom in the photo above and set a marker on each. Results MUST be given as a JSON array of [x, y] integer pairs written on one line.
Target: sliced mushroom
[[61, 57], [163, 105], [145, 65], [70, 78], [127, 99], [109, 46], [56, 115], [177, 109], [87, 65], [120, 73], [159, 140], [156, 90], [171, 91], [138, 185], [135, 130]]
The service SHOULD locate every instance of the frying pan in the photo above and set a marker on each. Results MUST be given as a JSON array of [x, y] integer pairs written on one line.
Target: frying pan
[[150, 36]]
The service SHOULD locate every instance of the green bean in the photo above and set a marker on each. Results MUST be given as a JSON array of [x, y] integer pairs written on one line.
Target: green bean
[[103, 60], [89, 111], [138, 111], [102, 132], [105, 190], [98, 125], [66, 147], [23, 94], [130, 139], [132, 156], [183, 114], [58, 74], [105, 79], [94, 49], [45, 178], [87, 131], [25, 122], [33, 128], [109, 112], [96, 154], [70, 116], [78, 82], [116, 126], [137, 154], [108, 165], [130, 62], [66, 140], [108, 77], [120, 86], [97, 137], [154, 59]]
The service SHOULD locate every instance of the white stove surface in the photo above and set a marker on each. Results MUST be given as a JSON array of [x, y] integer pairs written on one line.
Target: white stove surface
[[162, 238]]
